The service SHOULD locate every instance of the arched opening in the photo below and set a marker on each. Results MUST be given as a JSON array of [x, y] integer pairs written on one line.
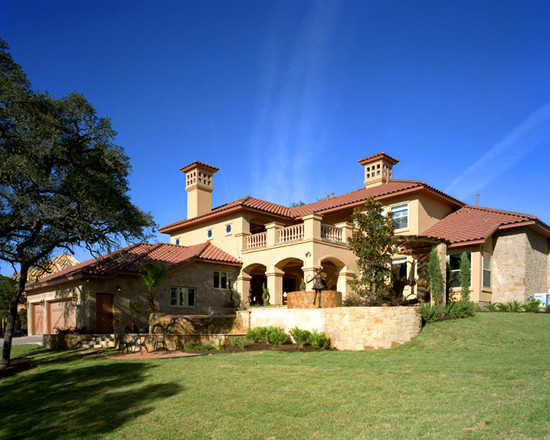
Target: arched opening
[[293, 275], [257, 282], [332, 267]]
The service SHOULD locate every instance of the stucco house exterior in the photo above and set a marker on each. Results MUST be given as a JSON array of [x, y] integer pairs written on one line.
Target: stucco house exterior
[[250, 243], [280, 246]]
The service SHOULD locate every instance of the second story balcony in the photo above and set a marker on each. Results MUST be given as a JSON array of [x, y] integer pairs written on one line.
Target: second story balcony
[[312, 228]]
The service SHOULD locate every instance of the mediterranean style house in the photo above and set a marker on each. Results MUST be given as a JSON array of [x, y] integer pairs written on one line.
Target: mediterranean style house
[[235, 251], [280, 246]]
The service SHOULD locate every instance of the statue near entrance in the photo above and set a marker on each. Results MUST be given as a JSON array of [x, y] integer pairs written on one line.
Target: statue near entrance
[[319, 284]]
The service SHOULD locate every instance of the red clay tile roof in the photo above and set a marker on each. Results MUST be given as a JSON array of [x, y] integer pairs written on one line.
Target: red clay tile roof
[[128, 260], [199, 164], [473, 223], [351, 199], [378, 156]]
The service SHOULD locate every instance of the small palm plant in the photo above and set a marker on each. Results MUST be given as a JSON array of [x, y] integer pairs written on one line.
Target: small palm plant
[[152, 276]]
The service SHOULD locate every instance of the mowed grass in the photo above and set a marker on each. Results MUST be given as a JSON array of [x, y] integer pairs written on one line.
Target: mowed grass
[[480, 378]]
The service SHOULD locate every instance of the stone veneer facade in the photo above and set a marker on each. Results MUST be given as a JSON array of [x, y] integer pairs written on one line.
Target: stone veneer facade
[[520, 266], [348, 328]]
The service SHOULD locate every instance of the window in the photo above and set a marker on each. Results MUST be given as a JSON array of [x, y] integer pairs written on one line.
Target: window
[[400, 216], [454, 268], [221, 280], [177, 241], [399, 268], [486, 270], [209, 233], [228, 229], [182, 296]]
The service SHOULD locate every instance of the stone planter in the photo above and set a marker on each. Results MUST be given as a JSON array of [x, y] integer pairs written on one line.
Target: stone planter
[[304, 299]]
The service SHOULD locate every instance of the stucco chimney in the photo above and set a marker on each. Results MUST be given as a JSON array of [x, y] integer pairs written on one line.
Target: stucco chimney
[[199, 186], [378, 169]]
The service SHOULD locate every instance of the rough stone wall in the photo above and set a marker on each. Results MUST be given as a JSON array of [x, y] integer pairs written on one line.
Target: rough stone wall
[[349, 328], [304, 300], [536, 268], [508, 267], [520, 266]]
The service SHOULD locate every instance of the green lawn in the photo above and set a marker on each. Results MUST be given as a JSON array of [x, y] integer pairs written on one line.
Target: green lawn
[[478, 378]]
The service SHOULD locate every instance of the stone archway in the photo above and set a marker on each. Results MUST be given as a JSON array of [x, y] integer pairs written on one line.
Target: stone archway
[[292, 276], [332, 267], [255, 275]]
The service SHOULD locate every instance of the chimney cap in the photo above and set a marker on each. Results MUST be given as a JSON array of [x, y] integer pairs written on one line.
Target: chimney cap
[[201, 165], [378, 156]]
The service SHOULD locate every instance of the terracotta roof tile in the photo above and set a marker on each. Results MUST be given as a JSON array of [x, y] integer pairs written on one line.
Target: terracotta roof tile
[[128, 260], [472, 223], [378, 156], [199, 164]]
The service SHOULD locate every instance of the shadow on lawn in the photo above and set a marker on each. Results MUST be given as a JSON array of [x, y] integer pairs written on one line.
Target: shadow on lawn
[[78, 402]]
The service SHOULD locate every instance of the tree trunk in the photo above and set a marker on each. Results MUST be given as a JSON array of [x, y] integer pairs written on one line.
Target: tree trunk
[[151, 302], [12, 318]]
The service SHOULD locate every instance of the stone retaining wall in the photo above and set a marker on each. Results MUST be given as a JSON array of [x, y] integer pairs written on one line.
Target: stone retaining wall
[[349, 328]]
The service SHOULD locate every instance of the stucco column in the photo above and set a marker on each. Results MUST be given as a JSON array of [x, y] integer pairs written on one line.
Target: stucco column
[[312, 226], [243, 288], [272, 236], [347, 231], [342, 285], [442, 254], [275, 286]]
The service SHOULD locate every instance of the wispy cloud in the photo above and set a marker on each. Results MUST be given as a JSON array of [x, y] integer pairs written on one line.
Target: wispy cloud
[[289, 124], [524, 138]]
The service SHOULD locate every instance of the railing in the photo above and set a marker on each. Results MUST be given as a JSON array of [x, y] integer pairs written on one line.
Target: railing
[[291, 233], [331, 233], [255, 241]]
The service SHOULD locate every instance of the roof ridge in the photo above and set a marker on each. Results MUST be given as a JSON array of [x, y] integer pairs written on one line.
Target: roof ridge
[[501, 211], [152, 247]]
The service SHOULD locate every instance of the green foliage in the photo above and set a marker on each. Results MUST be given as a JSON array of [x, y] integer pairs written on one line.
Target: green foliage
[[532, 306], [490, 307], [431, 313], [208, 346], [230, 282], [268, 335], [152, 275], [265, 295], [63, 180], [502, 307], [465, 277], [8, 288], [135, 309], [303, 285], [373, 244], [460, 309], [193, 346], [239, 341], [296, 204], [301, 337], [319, 341], [514, 306], [434, 277], [547, 309]]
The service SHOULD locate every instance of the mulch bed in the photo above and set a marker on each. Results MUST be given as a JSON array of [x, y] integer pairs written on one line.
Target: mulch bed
[[160, 354], [17, 365]]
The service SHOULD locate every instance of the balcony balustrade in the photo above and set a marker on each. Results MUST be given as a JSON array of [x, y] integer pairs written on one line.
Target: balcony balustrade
[[256, 241], [291, 233], [331, 233], [294, 233]]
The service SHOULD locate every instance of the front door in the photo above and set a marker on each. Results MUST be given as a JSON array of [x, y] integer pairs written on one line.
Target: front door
[[104, 313]]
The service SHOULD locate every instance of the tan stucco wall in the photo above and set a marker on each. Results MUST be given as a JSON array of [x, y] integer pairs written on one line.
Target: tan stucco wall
[[348, 328]]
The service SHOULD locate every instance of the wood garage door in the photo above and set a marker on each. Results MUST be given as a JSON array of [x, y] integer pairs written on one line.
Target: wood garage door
[[104, 312], [61, 315], [37, 319]]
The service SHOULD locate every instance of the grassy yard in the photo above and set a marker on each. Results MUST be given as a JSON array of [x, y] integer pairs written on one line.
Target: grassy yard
[[478, 378]]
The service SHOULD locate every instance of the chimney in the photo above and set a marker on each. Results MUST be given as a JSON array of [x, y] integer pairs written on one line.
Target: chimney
[[199, 187], [378, 169]]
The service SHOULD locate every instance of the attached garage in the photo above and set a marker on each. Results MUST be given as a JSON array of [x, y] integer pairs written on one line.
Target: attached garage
[[37, 318], [61, 315]]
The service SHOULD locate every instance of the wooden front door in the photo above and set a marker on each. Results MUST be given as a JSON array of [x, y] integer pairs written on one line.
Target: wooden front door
[[104, 313], [37, 317]]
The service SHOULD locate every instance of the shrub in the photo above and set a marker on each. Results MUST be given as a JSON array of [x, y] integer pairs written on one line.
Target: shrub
[[514, 306], [193, 346], [465, 277], [268, 335], [208, 346], [460, 309], [319, 341], [301, 337], [431, 313], [491, 307], [434, 277], [547, 309], [239, 341], [502, 307], [532, 306]]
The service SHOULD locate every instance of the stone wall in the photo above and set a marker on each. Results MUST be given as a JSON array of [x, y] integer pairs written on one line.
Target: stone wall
[[304, 299], [349, 328], [520, 266]]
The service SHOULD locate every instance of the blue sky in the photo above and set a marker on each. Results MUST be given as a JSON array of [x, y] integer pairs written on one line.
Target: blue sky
[[286, 96]]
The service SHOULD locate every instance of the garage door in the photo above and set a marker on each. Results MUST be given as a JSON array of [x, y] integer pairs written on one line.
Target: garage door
[[62, 315], [37, 319]]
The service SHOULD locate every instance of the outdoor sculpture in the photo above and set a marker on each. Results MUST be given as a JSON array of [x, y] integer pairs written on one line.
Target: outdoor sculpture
[[319, 283]]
